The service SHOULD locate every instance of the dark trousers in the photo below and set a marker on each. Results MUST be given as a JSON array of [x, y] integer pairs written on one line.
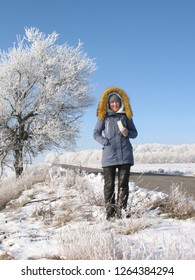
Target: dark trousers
[[114, 204]]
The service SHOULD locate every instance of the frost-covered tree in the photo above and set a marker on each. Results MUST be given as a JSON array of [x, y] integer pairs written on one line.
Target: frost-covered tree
[[44, 91]]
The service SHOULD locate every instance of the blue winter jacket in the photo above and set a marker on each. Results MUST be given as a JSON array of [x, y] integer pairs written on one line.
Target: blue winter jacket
[[117, 149]]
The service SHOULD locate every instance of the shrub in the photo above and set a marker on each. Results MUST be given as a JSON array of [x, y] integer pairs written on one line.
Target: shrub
[[179, 204]]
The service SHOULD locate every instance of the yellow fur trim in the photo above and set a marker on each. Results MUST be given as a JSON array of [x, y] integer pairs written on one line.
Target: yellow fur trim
[[102, 107]]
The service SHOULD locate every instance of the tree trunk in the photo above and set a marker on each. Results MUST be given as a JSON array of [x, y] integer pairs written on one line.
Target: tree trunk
[[18, 164]]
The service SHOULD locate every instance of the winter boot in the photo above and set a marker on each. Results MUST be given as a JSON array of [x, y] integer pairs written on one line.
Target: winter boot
[[110, 211]]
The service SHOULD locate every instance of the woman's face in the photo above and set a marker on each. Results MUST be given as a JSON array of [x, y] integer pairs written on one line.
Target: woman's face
[[114, 106]]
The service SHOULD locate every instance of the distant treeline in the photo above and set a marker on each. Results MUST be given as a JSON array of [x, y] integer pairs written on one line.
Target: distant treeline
[[145, 153]]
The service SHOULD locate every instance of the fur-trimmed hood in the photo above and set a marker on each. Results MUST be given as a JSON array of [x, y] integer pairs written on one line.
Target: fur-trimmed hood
[[103, 104]]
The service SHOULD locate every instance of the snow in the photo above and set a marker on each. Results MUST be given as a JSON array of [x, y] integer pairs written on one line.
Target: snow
[[63, 217], [186, 169]]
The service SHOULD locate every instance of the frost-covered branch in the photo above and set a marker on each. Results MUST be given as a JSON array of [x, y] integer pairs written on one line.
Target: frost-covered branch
[[44, 91]]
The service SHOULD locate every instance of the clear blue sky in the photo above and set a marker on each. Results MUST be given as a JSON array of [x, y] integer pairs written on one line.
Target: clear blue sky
[[146, 47]]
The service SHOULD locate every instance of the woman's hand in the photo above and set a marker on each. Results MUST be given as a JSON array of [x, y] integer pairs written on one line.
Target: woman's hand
[[124, 131]]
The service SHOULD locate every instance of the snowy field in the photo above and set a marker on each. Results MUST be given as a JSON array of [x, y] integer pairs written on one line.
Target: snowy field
[[60, 214]]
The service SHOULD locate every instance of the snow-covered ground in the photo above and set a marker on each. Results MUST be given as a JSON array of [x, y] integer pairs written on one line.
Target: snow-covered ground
[[63, 217], [58, 218]]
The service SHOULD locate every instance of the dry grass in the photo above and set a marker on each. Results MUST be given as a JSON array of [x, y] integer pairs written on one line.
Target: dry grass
[[11, 187], [111, 243], [45, 212], [76, 203], [179, 204], [131, 226], [6, 256], [86, 244]]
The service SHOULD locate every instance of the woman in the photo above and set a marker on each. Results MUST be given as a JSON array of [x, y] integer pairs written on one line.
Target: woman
[[113, 129]]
